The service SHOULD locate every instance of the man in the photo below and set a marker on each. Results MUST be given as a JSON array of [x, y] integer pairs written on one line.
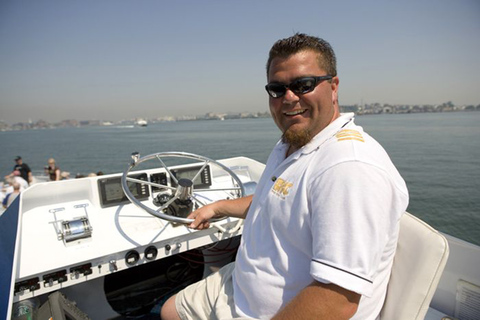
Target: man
[[24, 169], [321, 229]]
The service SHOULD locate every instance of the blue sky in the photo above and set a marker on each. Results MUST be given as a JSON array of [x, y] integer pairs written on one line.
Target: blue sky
[[119, 59]]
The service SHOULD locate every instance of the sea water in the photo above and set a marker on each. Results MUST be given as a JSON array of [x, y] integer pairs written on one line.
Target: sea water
[[438, 154]]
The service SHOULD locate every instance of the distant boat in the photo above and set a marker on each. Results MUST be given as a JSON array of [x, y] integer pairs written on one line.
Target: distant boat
[[142, 123]]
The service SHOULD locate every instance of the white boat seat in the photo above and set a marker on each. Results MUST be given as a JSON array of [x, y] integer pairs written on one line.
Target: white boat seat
[[422, 253]]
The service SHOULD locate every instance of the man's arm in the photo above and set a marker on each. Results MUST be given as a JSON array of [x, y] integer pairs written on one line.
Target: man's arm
[[321, 301], [236, 208]]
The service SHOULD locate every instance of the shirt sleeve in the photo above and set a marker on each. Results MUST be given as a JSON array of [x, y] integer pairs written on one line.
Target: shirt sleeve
[[351, 219]]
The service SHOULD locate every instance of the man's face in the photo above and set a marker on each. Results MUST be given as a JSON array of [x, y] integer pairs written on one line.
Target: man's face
[[19, 161], [300, 117]]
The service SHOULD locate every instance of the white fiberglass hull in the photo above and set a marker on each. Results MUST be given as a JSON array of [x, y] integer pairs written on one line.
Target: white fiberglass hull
[[41, 257]]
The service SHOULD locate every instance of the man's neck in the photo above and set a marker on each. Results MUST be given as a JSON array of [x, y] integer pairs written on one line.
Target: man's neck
[[291, 149]]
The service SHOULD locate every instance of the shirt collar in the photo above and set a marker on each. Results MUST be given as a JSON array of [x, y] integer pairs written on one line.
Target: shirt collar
[[321, 137]]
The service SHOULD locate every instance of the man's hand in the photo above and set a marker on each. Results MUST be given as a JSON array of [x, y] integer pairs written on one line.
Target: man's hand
[[202, 216], [236, 208]]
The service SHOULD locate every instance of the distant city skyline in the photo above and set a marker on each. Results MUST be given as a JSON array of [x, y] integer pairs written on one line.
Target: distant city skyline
[[118, 59], [356, 108], [367, 109]]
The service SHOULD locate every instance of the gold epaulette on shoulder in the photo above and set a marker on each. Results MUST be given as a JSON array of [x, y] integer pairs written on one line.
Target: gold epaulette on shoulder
[[348, 134]]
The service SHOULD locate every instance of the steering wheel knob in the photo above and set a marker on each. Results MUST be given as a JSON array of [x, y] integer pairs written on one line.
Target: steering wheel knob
[[135, 157], [185, 189]]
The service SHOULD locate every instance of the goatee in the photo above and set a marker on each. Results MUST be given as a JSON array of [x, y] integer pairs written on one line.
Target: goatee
[[296, 139]]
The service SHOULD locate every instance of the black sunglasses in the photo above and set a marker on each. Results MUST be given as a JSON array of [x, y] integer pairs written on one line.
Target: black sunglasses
[[299, 86]]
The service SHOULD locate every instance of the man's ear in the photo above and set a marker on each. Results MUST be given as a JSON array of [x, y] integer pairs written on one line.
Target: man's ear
[[334, 85]]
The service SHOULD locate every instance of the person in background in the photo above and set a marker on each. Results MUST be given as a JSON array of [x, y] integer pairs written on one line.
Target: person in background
[[19, 180], [10, 197], [23, 168], [8, 187], [52, 170], [65, 175], [321, 230]]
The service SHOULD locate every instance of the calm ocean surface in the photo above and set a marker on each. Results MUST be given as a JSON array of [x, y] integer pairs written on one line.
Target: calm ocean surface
[[438, 154]]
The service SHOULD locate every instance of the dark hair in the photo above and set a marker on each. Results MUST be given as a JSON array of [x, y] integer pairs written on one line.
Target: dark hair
[[284, 48]]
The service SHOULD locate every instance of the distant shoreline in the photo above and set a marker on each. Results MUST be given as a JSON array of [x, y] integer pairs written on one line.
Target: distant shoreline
[[374, 109]]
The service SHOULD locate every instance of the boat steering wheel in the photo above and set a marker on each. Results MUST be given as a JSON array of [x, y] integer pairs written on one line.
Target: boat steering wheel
[[175, 203]]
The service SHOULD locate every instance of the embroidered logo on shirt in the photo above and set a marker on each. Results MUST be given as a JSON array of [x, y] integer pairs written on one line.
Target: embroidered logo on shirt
[[281, 187], [348, 134]]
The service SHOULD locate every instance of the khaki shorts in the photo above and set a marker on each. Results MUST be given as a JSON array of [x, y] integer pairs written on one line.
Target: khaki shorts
[[210, 298]]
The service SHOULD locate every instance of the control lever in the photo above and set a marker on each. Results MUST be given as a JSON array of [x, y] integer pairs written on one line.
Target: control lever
[[113, 264]]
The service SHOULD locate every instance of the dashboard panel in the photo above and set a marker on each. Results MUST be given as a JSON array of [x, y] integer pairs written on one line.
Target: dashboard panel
[[203, 180], [111, 193]]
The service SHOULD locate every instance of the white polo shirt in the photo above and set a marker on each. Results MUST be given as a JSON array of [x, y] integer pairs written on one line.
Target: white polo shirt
[[329, 212]]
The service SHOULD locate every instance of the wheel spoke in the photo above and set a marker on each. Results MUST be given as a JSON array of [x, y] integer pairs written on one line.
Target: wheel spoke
[[153, 184], [200, 171], [167, 204], [168, 170], [219, 189], [198, 200]]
